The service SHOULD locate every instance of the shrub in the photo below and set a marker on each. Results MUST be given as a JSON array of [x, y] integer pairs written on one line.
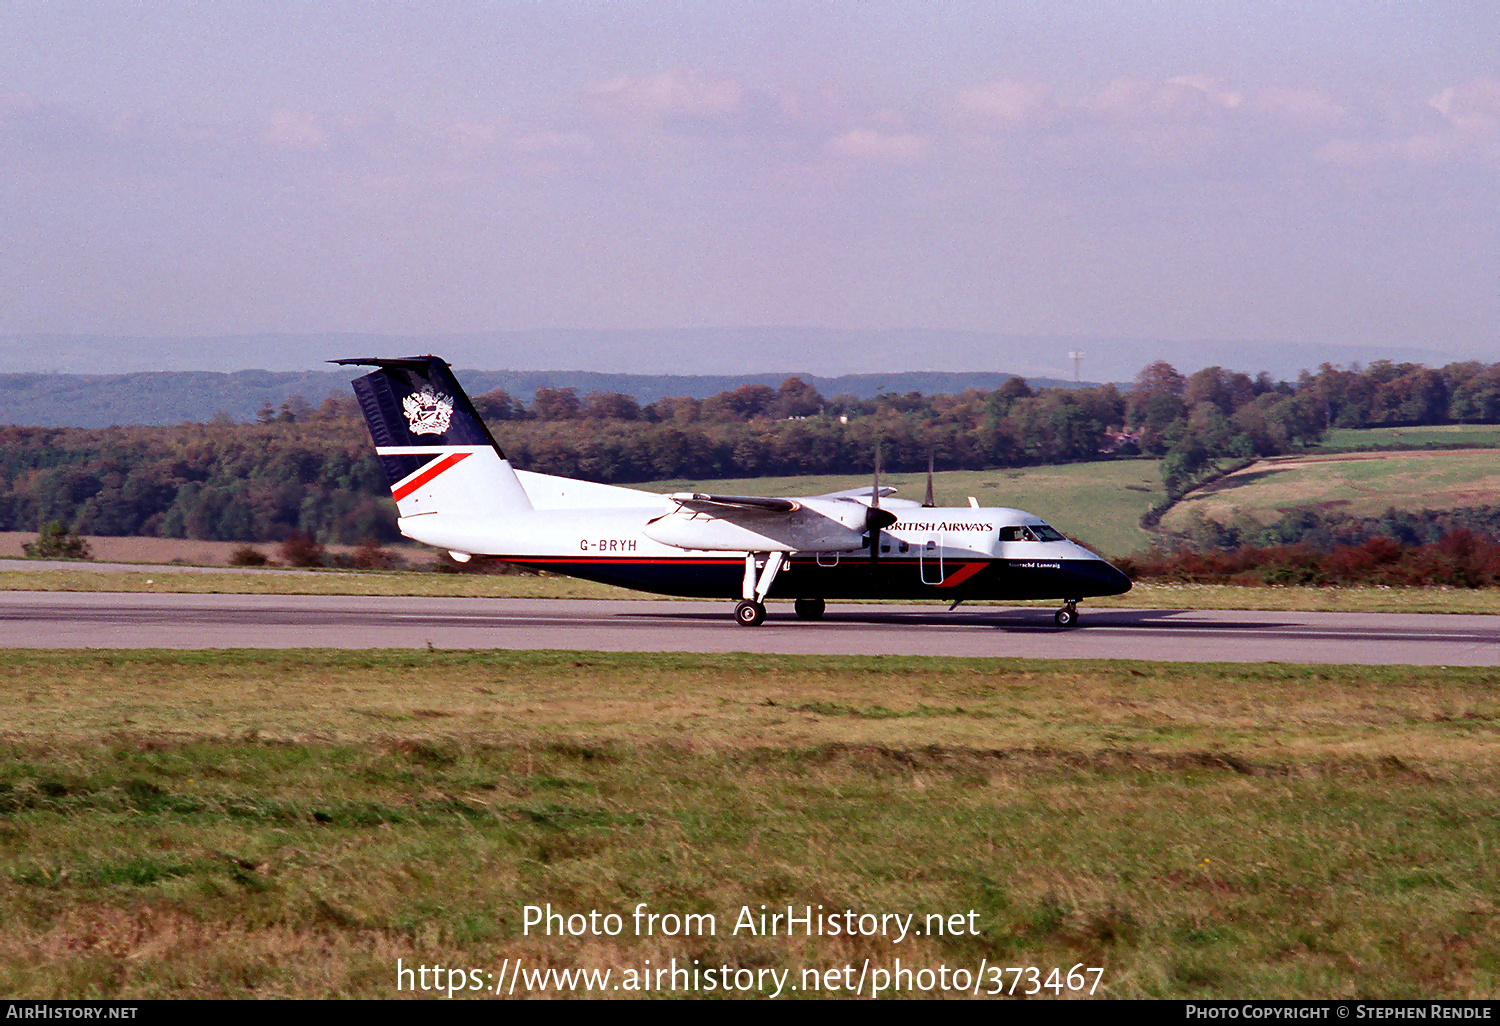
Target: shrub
[[1460, 559], [248, 555], [369, 556], [299, 549], [57, 542]]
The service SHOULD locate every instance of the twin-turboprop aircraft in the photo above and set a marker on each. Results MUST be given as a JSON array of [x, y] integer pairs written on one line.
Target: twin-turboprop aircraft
[[455, 490]]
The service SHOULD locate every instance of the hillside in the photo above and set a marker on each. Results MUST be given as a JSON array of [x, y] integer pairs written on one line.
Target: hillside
[[180, 397], [1355, 484]]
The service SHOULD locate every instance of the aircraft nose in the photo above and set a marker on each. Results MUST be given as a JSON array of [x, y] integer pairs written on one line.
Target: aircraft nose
[[1101, 578]]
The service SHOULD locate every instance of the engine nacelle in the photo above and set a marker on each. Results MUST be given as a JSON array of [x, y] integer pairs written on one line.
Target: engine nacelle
[[816, 525]]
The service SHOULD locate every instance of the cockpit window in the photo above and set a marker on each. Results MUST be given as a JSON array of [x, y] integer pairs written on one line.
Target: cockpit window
[[1031, 533]]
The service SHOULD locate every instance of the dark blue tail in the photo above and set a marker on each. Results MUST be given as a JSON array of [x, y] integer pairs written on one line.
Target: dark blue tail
[[424, 426]]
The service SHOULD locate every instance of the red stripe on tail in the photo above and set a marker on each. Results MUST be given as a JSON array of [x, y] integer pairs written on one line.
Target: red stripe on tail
[[427, 473]]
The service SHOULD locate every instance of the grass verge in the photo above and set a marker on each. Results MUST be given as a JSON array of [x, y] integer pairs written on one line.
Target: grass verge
[[290, 824], [1144, 595]]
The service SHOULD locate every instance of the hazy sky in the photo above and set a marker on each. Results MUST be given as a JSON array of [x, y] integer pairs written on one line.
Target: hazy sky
[[1311, 172]]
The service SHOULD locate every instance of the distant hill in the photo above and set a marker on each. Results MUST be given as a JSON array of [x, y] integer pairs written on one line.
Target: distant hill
[[826, 352], [177, 397]]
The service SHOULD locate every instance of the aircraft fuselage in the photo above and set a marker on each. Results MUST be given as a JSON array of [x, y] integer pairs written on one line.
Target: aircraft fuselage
[[929, 553]]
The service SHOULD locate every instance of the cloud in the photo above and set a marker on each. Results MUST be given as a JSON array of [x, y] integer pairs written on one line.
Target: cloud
[[669, 92], [1311, 108], [1210, 88], [1005, 101], [1458, 124], [1182, 97], [551, 142], [868, 144], [294, 131], [30, 128]]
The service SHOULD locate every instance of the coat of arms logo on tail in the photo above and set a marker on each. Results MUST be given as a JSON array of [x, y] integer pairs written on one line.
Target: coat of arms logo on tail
[[428, 411]]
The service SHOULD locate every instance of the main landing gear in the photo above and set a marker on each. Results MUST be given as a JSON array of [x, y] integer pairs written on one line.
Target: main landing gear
[[1067, 616], [809, 609], [760, 571], [751, 612]]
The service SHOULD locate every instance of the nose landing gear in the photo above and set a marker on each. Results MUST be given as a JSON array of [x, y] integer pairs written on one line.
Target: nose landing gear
[[1067, 616], [750, 613]]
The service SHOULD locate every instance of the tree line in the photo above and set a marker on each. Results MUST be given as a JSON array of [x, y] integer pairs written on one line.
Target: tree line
[[311, 469]]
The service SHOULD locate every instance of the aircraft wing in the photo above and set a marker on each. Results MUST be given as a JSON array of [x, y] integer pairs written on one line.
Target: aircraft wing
[[728, 505], [751, 523], [858, 494]]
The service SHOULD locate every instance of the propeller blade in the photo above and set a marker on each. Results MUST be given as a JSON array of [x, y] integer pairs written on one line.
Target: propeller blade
[[879, 519], [874, 515], [927, 503]]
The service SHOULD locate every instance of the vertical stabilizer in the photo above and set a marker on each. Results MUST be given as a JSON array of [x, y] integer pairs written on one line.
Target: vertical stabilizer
[[437, 454]]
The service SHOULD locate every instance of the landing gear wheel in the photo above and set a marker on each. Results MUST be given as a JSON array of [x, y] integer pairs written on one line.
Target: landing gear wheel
[[1067, 616], [749, 614], [809, 609]]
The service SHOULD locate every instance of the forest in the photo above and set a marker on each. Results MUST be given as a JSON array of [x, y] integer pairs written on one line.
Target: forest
[[311, 469]]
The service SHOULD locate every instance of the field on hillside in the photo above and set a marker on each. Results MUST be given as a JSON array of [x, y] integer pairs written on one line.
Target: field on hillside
[[1435, 435], [1098, 504], [1359, 484], [293, 824]]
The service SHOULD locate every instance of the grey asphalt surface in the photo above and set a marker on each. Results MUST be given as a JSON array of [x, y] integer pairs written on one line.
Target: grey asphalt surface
[[114, 620]]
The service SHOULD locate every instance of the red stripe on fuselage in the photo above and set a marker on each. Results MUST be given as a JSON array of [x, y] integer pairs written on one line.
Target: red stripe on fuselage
[[427, 473], [962, 575]]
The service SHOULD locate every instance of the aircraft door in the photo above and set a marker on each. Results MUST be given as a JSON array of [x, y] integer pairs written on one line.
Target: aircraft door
[[932, 561]]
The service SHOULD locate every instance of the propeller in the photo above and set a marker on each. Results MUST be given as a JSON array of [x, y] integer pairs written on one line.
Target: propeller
[[927, 503], [875, 517]]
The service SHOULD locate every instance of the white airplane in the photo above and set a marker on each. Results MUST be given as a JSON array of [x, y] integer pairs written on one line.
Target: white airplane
[[455, 490]]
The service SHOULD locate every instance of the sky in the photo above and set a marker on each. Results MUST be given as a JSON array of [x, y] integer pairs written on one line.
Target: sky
[[1300, 175]]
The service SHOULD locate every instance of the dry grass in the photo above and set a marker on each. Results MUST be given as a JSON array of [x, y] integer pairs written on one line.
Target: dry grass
[[187, 551], [301, 582], [290, 824], [1144, 595], [743, 702]]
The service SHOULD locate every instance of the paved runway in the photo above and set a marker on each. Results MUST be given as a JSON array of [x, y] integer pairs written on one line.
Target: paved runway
[[113, 620]]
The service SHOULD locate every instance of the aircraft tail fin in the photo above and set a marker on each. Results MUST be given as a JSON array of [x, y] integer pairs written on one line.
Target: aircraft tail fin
[[436, 452]]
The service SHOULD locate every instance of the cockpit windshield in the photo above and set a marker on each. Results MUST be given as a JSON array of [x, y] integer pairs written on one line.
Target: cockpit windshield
[[1031, 533]]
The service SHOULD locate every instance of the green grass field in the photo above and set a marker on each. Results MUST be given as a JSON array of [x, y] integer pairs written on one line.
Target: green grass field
[[1356, 484], [1435, 435], [291, 824]]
